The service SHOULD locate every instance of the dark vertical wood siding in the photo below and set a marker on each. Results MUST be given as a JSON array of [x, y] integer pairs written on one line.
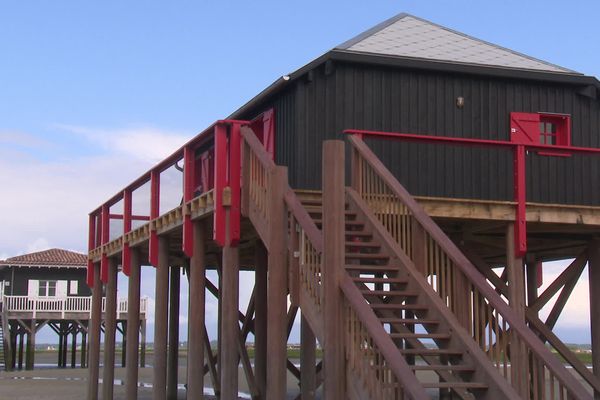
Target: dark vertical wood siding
[[422, 102]]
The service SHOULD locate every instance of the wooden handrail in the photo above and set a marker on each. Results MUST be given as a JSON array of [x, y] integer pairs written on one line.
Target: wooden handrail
[[257, 147], [395, 360], [517, 324], [304, 220], [290, 198]]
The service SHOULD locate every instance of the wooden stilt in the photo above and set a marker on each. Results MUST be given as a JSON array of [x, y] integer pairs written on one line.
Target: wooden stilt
[[94, 331], [196, 316], [30, 351], [308, 374], [277, 288], [143, 343], [110, 328], [516, 293], [21, 345], [74, 346], [61, 343], [173, 350], [260, 320], [124, 344], [333, 264], [133, 323], [83, 353], [65, 346], [594, 284], [229, 320], [161, 319]]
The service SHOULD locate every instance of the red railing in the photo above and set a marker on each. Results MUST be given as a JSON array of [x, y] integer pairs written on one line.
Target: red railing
[[222, 138]]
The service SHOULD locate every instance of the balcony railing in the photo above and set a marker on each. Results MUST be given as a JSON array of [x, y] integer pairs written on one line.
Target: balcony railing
[[62, 305]]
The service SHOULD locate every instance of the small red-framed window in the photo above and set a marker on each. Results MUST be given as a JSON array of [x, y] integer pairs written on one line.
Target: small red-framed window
[[555, 130]]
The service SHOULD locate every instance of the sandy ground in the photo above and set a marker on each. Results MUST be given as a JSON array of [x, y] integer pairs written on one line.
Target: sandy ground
[[71, 384]]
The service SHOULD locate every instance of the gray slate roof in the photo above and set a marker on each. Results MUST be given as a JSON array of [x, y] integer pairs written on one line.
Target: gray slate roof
[[407, 36]]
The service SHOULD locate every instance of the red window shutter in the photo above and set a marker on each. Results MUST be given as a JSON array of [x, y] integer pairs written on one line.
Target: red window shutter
[[524, 128], [207, 170], [264, 129]]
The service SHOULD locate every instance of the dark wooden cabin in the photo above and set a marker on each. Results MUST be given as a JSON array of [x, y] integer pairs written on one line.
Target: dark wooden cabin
[[401, 192]]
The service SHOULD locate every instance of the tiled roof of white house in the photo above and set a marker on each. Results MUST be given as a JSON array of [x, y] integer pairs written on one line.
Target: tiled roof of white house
[[407, 36], [57, 258]]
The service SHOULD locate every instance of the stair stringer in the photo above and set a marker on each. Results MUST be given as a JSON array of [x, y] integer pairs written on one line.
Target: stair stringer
[[498, 387]]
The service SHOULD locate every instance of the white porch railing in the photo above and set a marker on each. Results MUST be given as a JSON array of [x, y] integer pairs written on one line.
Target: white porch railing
[[62, 305]]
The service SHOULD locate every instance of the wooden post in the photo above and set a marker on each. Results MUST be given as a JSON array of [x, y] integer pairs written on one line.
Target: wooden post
[[277, 287], [260, 317], [94, 331], [83, 348], [60, 344], [143, 343], [594, 284], [161, 319], [133, 326], [124, 343], [173, 350], [196, 316], [65, 345], [516, 300], [308, 348], [333, 264], [110, 328], [30, 350], [74, 346], [21, 344], [230, 330]]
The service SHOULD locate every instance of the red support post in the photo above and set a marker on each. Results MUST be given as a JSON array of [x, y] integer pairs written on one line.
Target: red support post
[[235, 178], [219, 227], [105, 234], [520, 198], [91, 246], [126, 253], [189, 176], [154, 212]]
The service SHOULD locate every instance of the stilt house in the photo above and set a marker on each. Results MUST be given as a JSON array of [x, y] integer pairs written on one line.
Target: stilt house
[[400, 193]]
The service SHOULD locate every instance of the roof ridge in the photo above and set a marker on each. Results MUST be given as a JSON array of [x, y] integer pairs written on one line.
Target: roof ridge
[[379, 27]]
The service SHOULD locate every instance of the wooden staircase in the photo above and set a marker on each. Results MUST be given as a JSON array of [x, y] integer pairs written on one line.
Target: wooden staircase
[[420, 321], [423, 340]]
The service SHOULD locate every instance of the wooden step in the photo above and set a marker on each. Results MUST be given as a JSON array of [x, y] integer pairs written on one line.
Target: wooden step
[[374, 245], [367, 256], [348, 224], [439, 367], [371, 268], [358, 233], [442, 336], [393, 306], [431, 352], [392, 293], [455, 385], [369, 279], [409, 321]]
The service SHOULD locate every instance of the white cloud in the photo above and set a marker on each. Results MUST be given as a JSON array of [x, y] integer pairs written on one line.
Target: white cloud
[[38, 244], [22, 139], [144, 142]]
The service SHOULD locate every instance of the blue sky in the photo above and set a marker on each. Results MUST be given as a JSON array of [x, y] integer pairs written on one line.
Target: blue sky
[[92, 94]]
